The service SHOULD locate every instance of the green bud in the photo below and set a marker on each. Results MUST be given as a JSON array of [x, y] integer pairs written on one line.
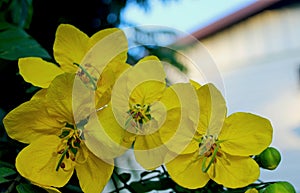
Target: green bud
[[280, 187], [269, 158]]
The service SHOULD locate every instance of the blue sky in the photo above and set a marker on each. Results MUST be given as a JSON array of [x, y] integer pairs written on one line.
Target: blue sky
[[184, 15]]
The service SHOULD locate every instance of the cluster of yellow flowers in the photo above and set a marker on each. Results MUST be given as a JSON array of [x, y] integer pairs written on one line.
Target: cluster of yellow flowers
[[93, 107]]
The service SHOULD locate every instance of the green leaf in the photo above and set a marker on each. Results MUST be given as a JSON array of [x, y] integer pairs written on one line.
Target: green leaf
[[4, 172], [3, 180], [29, 188], [6, 164], [150, 174], [125, 176], [17, 12], [16, 43], [21, 13]]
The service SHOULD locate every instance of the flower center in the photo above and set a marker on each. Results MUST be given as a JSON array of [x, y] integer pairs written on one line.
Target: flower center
[[209, 148], [138, 115], [69, 146]]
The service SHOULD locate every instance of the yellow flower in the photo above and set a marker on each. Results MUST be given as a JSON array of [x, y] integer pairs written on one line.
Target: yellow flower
[[139, 108], [99, 57], [224, 145], [56, 146]]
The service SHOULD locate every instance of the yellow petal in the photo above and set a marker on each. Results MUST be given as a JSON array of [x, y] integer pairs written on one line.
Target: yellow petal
[[113, 42], [185, 170], [42, 169], [118, 67], [39, 94], [179, 135], [105, 46], [195, 84], [144, 83], [149, 151], [212, 110], [59, 98], [147, 92], [30, 121], [94, 174], [245, 134], [37, 71], [234, 171], [70, 46], [178, 138], [103, 131]]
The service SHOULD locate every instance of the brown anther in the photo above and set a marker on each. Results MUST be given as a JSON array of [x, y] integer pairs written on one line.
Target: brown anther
[[207, 154], [62, 165], [61, 151]]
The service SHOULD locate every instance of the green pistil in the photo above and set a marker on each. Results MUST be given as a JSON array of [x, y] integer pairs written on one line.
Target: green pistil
[[59, 164], [85, 72], [213, 156], [69, 145]]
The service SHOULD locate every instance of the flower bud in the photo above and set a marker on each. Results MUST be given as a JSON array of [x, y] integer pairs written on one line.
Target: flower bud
[[280, 187], [269, 158]]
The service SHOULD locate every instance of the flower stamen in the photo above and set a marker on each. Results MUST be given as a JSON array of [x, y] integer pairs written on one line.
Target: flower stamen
[[86, 77], [69, 146], [138, 115]]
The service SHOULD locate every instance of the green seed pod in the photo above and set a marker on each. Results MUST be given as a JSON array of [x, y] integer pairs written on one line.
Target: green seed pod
[[280, 187], [269, 158]]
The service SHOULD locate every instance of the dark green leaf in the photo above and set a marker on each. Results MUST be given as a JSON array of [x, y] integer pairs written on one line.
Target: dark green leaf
[[148, 173], [3, 180], [125, 176], [16, 43], [4, 172], [6, 164], [18, 12], [29, 188]]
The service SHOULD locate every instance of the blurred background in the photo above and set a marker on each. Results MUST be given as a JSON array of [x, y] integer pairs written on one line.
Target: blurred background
[[252, 46]]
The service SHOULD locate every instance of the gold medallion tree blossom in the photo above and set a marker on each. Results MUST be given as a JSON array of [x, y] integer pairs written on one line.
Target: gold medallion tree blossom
[[92, 107], [223, 145]]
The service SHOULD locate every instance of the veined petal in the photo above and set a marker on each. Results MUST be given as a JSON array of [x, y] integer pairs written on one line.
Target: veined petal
[[70, 46], [42, 169], [178, 135], [39, 94], [37, 71], [118, 67], [113, 42], [30, 121], [234, 171], [147, 78], [143, 84], [106, 46], [185, 170], [103, 131], [149, 151], [147, 92], [59, 98], [195, 84], [178, 138], [212, 110], [245, 134], [94, 174]]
